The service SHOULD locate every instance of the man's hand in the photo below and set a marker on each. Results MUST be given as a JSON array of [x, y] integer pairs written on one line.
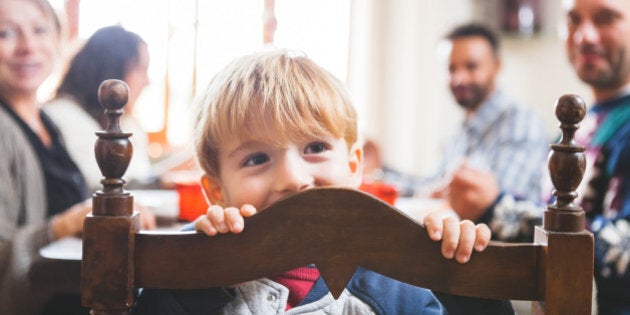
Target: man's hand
[[147, 217], [471, 192]]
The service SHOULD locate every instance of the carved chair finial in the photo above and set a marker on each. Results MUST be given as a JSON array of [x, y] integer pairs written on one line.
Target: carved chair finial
[[113, 150], [566, 168]]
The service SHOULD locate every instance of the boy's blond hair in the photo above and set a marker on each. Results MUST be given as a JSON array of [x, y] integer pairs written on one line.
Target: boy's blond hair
[[276, 96]]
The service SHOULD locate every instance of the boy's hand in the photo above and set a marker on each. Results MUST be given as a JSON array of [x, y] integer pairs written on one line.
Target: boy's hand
[[458, 237], [224, 220]]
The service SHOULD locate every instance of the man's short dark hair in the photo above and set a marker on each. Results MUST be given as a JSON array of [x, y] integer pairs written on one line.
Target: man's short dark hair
[[475, 29]]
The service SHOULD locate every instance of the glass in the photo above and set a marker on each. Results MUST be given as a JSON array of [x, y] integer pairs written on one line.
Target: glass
[[383, 191], [192, 202]]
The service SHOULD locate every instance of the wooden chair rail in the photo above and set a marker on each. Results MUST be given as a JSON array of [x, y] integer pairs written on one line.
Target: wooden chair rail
[[337, 230]]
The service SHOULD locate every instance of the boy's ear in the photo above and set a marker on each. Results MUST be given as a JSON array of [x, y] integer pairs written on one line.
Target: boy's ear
[[211, 189], [355, 160]]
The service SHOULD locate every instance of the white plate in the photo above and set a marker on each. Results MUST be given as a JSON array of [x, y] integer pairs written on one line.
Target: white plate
[[163, 203], [417, 208], [67, 248]]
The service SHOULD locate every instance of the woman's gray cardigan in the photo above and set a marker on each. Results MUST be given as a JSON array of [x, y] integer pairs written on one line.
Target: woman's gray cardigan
[[23, 222]]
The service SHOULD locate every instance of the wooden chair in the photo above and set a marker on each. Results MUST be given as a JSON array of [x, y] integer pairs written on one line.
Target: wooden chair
[[352, 228]]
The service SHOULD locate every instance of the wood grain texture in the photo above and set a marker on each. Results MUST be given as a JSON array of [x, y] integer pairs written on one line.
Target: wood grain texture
[[336, 229]]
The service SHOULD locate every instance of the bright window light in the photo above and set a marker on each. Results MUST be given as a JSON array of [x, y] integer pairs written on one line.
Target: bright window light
[[190, 40]]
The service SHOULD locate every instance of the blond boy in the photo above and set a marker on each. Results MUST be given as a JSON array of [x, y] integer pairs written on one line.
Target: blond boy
[[272, 124]]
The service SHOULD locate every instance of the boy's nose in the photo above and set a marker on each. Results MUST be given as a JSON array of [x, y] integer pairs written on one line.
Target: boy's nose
[[293, 174]]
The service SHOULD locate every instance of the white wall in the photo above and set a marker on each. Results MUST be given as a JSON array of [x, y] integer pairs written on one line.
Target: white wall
[[399, 83]]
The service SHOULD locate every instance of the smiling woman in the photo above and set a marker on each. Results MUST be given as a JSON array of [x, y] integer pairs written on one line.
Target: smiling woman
[[43, 192]]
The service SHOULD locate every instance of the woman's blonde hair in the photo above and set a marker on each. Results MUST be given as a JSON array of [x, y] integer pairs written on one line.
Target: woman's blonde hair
[[278, 96], [50, 12]]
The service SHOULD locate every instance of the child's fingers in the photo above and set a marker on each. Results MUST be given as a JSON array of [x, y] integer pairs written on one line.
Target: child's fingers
[[234, 220], [433, 223], [450, 237], [216, 215], [220, 220], [483, 237], [202, 224], [467, 237], [248, 210]]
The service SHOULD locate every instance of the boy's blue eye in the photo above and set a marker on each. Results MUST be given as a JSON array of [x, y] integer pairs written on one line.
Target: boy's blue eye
[[316, 147], [256, 159]]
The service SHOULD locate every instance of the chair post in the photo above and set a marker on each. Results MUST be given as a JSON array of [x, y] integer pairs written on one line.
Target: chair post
[[569, 250], [107, 268]]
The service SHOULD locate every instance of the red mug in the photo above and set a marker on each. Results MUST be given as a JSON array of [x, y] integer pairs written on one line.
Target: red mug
[[383, 191], [192, 202]]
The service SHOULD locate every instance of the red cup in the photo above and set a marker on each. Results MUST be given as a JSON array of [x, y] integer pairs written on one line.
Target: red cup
[[383, 191], [192, 202]]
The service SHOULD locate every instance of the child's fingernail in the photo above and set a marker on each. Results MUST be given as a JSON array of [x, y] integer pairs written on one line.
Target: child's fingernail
[[238, 226], [448, 254], [437, 235], [463, 258]]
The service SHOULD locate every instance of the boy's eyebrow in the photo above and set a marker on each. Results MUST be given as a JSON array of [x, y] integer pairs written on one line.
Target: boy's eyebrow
[[243, 146]]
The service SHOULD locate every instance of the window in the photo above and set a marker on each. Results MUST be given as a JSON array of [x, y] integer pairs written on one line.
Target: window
[[190, 40]]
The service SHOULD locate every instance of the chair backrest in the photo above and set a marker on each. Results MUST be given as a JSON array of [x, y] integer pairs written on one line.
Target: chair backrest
[[353, 229]]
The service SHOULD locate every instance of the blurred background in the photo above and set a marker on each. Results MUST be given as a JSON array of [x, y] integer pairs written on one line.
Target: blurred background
[[389, 53]]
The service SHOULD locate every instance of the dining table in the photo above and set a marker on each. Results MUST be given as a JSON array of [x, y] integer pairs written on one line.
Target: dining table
[[60, 266]]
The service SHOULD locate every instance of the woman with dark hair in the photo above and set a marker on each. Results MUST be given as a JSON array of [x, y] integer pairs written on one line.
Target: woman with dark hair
[[110, 53]]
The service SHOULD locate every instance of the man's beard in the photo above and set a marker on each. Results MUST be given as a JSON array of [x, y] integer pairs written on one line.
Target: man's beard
[[611, 77], [477, 95]]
